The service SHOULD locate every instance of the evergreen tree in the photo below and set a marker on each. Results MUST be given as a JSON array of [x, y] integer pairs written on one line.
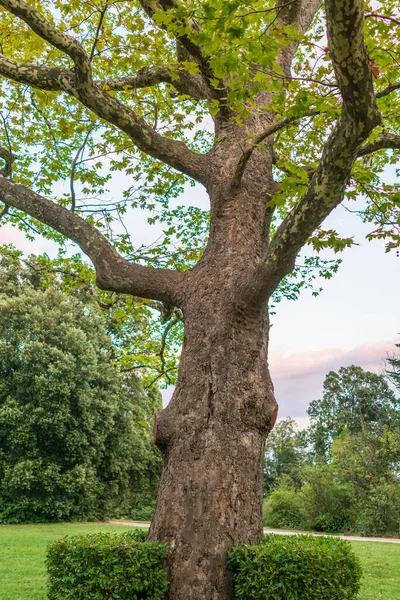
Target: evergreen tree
[[73, 434]]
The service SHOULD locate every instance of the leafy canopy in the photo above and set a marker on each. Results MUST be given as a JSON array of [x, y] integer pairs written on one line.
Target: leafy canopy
[[65, 151]]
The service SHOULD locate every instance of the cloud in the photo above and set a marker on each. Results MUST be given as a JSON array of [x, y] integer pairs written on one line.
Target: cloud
[[298, 377], [12, 235]]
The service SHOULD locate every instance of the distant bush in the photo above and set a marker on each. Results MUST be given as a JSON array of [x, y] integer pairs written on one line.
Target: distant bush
[[326, 503], [283, 509], [103, 566], [298, 567], [378, 513], [142, 513]]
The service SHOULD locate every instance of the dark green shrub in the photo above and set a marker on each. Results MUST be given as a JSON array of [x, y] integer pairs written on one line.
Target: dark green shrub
[[140, 534], [102, 566], [299, 567], [283, 509], [142, 513], [328, 524]]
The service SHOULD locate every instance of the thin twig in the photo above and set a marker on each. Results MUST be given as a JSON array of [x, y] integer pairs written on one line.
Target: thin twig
[[73, 168], [99, 25], [244, 159], [384, 17]]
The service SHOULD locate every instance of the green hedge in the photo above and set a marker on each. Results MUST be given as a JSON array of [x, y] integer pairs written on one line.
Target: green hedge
[[300, 567], [102, 566]]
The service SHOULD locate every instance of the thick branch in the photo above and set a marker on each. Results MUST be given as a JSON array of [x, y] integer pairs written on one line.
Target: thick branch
[[358, 119], [62, 80], [345, 24], [195, 51], [43, 78], [386, 140], [300, 14], [180, 79], [43, 28], [94, 97], [113, 272]]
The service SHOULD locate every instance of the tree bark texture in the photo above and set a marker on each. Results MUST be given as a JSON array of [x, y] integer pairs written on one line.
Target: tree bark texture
[[212, 439], [212, 434]]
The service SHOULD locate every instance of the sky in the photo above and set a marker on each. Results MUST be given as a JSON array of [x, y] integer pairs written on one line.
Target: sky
[[355, 320]]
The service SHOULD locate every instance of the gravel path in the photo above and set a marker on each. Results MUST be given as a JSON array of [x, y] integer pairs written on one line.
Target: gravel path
[[352, 538]]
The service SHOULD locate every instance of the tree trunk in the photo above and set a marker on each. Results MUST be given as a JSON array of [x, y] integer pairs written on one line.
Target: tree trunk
[[212, 438]]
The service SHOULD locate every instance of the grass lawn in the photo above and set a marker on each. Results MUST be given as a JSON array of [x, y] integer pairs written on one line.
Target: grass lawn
[[23, 550], [381, 565]]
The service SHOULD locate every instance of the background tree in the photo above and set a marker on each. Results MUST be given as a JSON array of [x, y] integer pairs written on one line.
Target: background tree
[[73, 435], [354, 400], [285, 455], [146, 335], [102, 81], [393, 369], [369, 464]]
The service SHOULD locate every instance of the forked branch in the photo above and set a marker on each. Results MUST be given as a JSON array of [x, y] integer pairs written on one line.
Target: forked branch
[[43, 28], [277, 126], [195, 51], [359, 117]]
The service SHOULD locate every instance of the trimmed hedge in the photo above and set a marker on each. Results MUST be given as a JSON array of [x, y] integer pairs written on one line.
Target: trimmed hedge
[[102, 566], [300, 567]]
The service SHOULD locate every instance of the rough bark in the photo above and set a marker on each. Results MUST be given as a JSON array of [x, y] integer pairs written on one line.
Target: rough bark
[[212, 439]]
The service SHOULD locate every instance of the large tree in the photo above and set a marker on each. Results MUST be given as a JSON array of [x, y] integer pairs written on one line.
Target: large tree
[[291, 115]]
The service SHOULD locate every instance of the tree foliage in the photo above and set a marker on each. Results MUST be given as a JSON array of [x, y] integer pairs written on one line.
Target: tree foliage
[[73, 434], [285, 453], [146, 335], [229, 55], [352, 399], [344, 475]]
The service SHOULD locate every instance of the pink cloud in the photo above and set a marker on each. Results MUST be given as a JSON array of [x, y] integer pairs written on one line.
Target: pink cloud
[[12, 235], [298, 377]]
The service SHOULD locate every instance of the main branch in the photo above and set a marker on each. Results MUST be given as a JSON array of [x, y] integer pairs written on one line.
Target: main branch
[[63, 80], [113, 272], [359, 117]]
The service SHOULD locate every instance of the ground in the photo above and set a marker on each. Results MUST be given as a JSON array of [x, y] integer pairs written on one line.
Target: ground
[[23, 549]]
